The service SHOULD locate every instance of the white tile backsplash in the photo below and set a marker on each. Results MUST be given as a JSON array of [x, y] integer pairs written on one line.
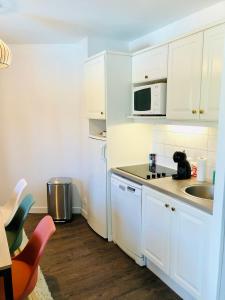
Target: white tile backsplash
[[196, 141]]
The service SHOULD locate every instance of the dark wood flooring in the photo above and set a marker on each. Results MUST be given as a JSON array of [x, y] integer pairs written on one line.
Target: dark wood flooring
[[78, 264]]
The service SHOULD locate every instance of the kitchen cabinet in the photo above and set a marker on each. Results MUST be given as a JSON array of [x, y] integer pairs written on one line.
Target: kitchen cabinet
[[174, 238], [189, 248], [108, 97], [194, 75], [184, 77], [213, 58], [107, 85], [150, 65], [155, 230], [95, 89]]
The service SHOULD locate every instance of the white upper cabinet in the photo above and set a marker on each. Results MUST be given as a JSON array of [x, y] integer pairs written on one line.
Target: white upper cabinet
[[194, 75], [184, 77], [108, 86], [95, 90], [150, 65], [213, 57]]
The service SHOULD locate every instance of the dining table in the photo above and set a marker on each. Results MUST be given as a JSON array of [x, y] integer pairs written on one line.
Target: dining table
[[5, 262]]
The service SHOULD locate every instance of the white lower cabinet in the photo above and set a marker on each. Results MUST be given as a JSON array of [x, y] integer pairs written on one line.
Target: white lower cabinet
[[155, 230], [175, 238]]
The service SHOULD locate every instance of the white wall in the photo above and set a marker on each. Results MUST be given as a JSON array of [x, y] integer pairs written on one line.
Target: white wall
[[40, 130], [190, 23], [196, 141], [96, 44]]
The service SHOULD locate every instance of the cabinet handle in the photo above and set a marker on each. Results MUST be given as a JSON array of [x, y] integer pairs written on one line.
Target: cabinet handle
[[167, 205], [194, 111], [201, 111], [173, 208], [102, 113], [130, 189], [146, 76]]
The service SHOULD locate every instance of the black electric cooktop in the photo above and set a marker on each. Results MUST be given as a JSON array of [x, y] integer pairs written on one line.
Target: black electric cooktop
[[146, 171]]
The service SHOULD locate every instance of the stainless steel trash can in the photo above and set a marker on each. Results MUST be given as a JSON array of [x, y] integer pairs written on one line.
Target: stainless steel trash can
[[59, 196]]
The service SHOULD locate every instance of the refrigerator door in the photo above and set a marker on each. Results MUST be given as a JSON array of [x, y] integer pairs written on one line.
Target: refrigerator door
[[97, 202]]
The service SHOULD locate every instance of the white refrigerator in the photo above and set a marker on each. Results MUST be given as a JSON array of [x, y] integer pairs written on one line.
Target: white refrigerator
[[97, 195]]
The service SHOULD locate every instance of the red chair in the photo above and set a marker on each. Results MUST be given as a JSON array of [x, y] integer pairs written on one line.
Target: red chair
[[25, 264]]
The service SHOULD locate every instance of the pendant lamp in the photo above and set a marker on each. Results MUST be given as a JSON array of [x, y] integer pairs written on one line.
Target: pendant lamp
[[5, 55]]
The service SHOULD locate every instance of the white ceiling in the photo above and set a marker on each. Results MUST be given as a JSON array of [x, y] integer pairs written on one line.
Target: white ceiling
[[67, 21]]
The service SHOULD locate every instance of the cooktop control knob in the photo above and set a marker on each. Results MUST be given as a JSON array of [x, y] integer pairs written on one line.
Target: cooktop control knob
[[153, 176], [158, 175], [148, 177], [163, 174]]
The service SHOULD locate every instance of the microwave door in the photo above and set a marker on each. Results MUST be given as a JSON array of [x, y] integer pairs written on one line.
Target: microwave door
[[142, 101]]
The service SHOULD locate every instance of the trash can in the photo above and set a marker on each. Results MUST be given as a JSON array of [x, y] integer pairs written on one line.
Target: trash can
[[59, 196]]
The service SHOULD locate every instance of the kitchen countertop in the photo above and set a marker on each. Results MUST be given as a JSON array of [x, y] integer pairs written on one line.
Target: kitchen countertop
[[172, 188]]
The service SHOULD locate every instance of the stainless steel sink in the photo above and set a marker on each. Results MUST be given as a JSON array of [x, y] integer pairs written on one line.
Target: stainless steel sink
[[204, 191]]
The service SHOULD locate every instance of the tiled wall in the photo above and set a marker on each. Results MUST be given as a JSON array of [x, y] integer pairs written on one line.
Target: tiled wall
[[196, 141]]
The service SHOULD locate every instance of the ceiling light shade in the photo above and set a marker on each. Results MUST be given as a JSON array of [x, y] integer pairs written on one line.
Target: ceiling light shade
[[5, 55]]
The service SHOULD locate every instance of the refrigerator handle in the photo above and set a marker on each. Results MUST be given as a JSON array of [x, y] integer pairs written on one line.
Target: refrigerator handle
[[105, 147], [103, 152]]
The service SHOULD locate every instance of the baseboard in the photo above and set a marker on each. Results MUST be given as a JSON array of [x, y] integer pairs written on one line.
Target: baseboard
[[39, 210], [44, 210], [84, 213], [167, 279], [76, 210]]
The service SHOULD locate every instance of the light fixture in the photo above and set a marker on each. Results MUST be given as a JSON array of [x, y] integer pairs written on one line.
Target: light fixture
[[5, 55]]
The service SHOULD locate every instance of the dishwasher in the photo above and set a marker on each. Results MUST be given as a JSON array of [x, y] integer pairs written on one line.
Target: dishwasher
[[126, 216]]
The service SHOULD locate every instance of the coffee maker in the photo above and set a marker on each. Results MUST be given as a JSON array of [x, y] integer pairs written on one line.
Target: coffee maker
[[183, 166]]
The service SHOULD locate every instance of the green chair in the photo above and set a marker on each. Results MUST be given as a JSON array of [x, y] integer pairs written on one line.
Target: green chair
[[14, 230]]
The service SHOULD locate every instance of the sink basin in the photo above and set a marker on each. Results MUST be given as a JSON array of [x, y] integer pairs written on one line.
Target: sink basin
[[204, 191]]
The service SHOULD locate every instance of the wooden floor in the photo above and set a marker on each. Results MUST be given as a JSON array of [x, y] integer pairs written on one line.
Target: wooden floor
[[78, 264]]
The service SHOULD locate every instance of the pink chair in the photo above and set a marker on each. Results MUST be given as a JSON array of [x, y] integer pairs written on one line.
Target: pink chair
[[25, 264]]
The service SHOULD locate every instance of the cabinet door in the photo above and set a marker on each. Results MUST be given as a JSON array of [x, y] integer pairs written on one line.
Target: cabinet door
[[184, 77], [156, 229], [189, 248], [150, 65], [213, 58], [95, 87]]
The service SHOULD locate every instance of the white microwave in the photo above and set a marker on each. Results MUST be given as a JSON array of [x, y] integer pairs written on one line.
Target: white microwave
[[149, 100]]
